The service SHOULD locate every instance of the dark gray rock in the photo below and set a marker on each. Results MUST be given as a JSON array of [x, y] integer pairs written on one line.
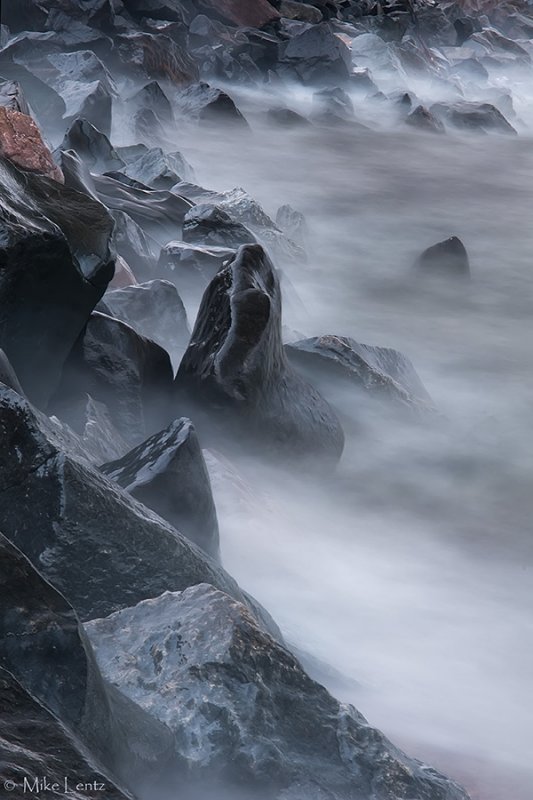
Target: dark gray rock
[[8, 376], [317, 56], [55, 264], [300, 11], [134, 245], [235, 368], [153, 97], [287, 118], [333, 102], [48, 106], [247, 716], [190, 267], [159, 170], [101, 548], [221, 109], [117, 366], [155, 310], [154, 56], [12, 96], [447, 259], [424, 120], [92, 146], [47, 653], [483, 117], [208, 224], [168, 474], [293, 223]]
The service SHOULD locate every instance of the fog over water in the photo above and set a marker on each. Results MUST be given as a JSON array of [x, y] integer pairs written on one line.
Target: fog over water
[[409, 571]]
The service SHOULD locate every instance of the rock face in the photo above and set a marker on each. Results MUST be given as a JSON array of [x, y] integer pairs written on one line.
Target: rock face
[[445, 259], [55, 264], [130, 374], [21, 142], [155, 310], [102, 549], [47, 664], [92, 146], [157, 56], [236, 369], [168, 474], [245, 714]]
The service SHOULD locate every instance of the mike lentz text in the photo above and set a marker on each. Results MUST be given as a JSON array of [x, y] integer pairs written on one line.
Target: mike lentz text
[[44, 786]]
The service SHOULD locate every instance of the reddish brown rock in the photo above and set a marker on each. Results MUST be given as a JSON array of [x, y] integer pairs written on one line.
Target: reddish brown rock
[[22, 143], [123, 275], [243, 12]]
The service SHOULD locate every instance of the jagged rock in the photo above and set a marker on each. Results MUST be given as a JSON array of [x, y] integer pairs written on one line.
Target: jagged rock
[[55, 264], [245, 714], [123, 275], [48, 106], [318, 55], [190, 267], [155, 310], [117, 366], [159, 170], [133, 245], [287, 117], [235, 368], [45, 649], [300, 11], [152, 97], [334, 363], [293, 223], [168, 474], [483, 117], [241, 12], [35, 743], [222, 109], [100, 439], [333, 102], [22, 143], [12, 97], [8, 376], [92, 146], [157, 56], [424, 120], [147, 127], [102, 549], [208, 224], [445, 259]]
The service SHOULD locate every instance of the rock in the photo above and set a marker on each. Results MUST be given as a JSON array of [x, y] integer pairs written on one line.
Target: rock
[[245, 714], [318, 56], [46, 651], [208, 224], [222, 109], [191, 267], [8, 375], [152, 97], [55, 264], [48, 106], [123, 275], [133, 245], [159, 170], [155, 310], [300, 11], [424, 120], [445, 259], [168, 474], [147, 127], [482, 117], [12, 97], [100, 438], [337, 363], [235, 368], [101, 548], [334, 102], [117, 366], [156, 56], [287, 117], [293, 223], [34, 742], [92, 146], [241, 12], [22, 143]]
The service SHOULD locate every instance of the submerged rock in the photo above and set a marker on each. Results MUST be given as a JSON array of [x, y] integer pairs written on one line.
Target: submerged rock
[[483, 117], [445, 259], [168, 474], [236, 370], [424, 120], [245, 714]]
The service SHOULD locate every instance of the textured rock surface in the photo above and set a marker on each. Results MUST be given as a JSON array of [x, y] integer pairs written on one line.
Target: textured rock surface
[[168, 474], [245, 713], [445, 259], [235, 367], [22, 143]]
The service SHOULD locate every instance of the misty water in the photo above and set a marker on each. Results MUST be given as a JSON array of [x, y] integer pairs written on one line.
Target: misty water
[[409, 570]]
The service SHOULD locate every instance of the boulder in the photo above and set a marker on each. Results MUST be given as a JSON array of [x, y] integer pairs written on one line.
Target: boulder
[[447, 259], [290, 9], [12, 97], [208, 224], [159, 170], [8, 375], [155, 310], [318, 56], [287, 118], [55, 264], [133, 245], [47, 105], [168, 474], [333, 102], [483, 117], [123, 275], [117, 366], [293, 224], [190, 267], [156, 56], [424, 120], [153, 97], [245, 714], [241, 12], [236, 371], [92, 146], [101, 548], [22, 143], [46, 651], [222, 109], [346, 371]]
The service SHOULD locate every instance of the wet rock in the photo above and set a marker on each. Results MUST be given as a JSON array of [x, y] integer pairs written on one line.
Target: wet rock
[[190, 267], [123, 275], [92, 146], [210, 225], [241, 12], [333, 102], [55, 264], [424, 120], [300, 11], [100, 548], [117, 366], [287, 117], [100, 439], [46, 650], [159, 170], [12, 97], [247, 715], [445, 259], [235, 368], [293, 223], [147, 127], [318, 56], [48, 106], [156, 56], [8, 376], [222, 109], [152, 97], [22, 143], [133, 245], [366, 373], [483, 117], [168, 474], [155, 310]]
